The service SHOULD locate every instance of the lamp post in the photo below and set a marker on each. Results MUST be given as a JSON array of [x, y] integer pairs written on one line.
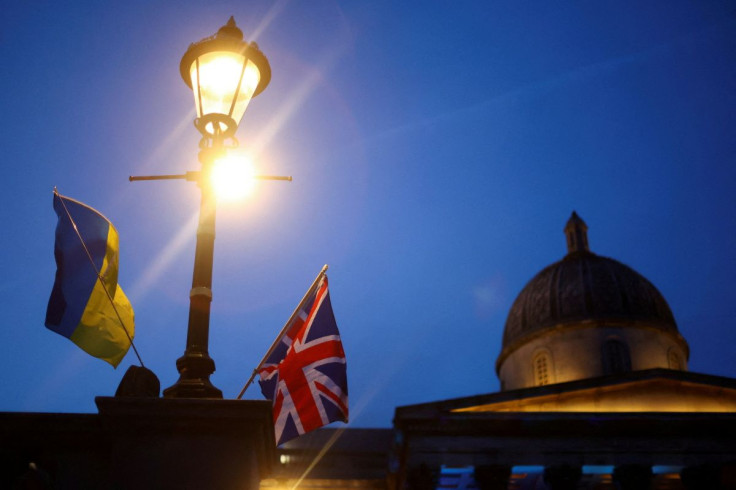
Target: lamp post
[[224, 73]]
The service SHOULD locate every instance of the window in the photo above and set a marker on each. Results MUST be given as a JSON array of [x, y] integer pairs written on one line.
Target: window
[[541, 369], [616, 357], [674, 361]]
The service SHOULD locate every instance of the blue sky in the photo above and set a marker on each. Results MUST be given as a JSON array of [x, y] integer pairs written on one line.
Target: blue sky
[[437, 151]]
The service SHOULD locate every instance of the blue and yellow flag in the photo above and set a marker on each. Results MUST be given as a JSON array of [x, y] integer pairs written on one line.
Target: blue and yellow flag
[[87, 305]]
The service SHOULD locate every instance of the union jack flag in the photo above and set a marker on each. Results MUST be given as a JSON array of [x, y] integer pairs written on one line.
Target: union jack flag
[[306, 374]]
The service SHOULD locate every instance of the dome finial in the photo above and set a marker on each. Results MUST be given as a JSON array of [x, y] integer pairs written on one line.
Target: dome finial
[[577, 234]]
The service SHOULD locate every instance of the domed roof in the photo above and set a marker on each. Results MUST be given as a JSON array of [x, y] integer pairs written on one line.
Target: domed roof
[[582, 287]]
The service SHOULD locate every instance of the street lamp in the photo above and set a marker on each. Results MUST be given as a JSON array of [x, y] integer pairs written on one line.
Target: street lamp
[[224, 73]]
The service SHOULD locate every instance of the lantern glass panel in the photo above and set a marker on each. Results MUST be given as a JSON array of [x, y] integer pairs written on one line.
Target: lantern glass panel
[[215, 78]]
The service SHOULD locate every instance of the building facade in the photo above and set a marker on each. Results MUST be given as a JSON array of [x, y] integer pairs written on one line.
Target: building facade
[[595, 394]]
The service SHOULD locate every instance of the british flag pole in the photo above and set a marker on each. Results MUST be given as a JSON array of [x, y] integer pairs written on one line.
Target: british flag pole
[[283, 331], [305, 377]]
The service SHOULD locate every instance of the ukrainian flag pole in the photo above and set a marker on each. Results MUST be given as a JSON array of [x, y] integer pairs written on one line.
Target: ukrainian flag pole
[[97, 273]]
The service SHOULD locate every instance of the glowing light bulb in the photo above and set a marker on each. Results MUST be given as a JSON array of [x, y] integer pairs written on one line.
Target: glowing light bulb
[[217, 77]]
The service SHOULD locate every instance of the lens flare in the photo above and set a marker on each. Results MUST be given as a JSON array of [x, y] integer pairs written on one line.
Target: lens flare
[[233, 177]]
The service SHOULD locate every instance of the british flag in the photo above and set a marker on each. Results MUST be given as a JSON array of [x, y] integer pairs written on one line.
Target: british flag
[[306, 374]]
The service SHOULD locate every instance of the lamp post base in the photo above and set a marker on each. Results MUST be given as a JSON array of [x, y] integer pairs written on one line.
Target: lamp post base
[[194, 378]]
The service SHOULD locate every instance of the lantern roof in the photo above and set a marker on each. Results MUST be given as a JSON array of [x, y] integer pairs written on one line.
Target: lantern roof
[[228, 38]]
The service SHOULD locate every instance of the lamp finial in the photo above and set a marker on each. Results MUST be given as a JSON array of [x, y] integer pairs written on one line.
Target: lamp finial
[[230, 30]]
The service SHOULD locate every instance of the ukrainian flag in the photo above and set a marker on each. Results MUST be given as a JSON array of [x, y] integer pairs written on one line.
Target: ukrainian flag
[[92, 311]]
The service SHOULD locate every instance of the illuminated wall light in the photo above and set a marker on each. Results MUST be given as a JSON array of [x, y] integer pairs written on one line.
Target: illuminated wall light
[[456, 470], [597, 470], [527, 469], [666, 470]]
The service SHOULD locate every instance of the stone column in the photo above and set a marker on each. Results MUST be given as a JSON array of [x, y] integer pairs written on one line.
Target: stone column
[[492, 477], [633, 477], [701, 476], [422, 477], [155, 443], [562, 477]]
